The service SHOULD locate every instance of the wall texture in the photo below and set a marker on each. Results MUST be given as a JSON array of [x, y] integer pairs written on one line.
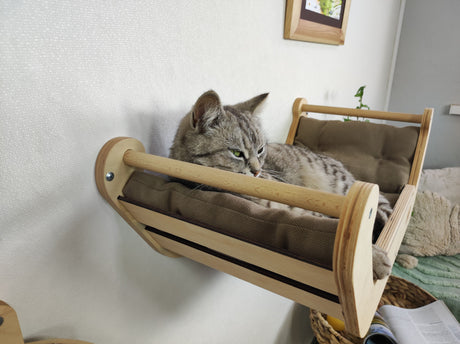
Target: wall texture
[[427, 74], [74, 74]]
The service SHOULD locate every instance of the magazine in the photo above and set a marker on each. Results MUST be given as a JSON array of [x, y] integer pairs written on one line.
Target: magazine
[[430, 324]]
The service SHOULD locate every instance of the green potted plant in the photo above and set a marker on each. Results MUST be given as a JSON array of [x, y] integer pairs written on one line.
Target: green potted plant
[[359, 94]]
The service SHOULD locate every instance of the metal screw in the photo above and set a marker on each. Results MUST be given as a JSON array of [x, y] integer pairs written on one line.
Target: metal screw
[[109, 176]]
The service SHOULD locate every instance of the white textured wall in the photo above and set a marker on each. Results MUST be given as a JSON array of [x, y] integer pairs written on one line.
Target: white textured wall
[[74, 74]]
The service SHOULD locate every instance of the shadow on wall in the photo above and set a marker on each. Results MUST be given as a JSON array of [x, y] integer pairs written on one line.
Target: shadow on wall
[[162, 133], [146, 276], [44, 334], [165, 283], [296, 327], [162, 282], [154, 128]]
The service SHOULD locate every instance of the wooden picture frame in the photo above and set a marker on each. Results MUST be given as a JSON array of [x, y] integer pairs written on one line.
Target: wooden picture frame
[[303, 24]]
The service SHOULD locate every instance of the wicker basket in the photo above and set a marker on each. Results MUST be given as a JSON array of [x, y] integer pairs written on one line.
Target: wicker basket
[[398, 292]]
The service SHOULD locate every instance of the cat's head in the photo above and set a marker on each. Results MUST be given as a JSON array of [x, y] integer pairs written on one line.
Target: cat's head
[[225, 137]]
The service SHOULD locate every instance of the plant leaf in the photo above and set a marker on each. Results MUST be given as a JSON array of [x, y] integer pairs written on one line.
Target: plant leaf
[[360, 91]]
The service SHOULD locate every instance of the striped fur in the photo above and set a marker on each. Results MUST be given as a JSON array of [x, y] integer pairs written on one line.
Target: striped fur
[[299, 165], [213, 135], [231, 138]]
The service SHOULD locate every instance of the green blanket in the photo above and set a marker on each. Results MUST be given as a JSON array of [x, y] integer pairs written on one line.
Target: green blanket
[[439, 275]]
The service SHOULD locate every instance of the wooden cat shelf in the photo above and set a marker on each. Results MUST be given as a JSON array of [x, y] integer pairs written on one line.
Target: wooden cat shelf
[[172, 218]]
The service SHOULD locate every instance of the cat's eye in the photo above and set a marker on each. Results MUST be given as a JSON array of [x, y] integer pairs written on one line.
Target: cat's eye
[[261, 150], [237, 153]]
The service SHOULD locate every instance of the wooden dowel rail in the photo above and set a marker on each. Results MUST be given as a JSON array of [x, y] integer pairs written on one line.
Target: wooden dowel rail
[[293, 195], [390, 116]]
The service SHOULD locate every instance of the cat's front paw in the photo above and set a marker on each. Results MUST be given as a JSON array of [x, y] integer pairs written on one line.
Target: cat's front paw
[[381, 264]]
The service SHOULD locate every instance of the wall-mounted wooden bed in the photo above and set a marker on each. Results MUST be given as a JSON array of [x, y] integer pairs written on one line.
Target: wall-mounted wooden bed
[[323, 263]]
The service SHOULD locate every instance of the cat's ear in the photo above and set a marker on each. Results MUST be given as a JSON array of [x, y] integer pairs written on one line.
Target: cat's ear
[[251, 104], [206, 108]]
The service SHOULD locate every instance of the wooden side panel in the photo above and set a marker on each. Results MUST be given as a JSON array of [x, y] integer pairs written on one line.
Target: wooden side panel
[[110, 163], [281, 264], [260, 280], [353, 258]]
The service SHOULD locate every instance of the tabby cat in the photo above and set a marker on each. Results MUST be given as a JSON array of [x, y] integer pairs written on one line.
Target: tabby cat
[[231, 138]]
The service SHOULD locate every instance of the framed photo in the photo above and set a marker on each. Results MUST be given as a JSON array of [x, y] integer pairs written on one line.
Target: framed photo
[[320, 21]]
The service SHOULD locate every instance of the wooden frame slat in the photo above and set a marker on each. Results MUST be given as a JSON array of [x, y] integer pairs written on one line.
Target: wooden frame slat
[[353, 258], [273, 285], [281, 264], [384, 115], [110, 163]]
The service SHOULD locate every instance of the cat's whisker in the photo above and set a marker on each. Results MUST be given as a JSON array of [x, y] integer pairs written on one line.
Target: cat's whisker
[[199, 187]]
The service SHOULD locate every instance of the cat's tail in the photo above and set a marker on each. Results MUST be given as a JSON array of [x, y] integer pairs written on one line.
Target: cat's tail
[[407, 261]]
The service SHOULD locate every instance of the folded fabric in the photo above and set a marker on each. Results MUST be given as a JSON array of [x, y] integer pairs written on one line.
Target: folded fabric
[[439, 275], [433, 229]]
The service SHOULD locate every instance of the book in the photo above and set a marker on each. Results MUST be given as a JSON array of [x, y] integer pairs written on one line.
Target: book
[[430, 324]]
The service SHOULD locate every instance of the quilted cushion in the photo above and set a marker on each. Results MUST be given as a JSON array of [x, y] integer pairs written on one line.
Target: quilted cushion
[[375, 153]]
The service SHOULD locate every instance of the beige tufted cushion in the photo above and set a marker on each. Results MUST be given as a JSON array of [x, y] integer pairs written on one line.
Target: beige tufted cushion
[[375, 153]]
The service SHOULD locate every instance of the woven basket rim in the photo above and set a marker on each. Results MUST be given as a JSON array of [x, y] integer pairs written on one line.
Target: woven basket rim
[[398, 292]]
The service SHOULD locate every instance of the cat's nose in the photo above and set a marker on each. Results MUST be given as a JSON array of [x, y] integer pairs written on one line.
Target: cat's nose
[[254, 166]]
